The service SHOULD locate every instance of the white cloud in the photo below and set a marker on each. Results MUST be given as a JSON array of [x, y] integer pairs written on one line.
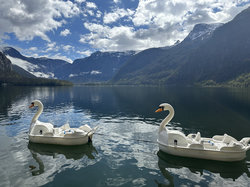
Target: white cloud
[[65, 32], [85, 53], [117, 1], [161, 12], [52, 47], [156, 23], [91, 5], [90, 12], [27, 19], [123, 38], [80, 1], [98, 14], [67, 47], [116, 14], [33, 48]]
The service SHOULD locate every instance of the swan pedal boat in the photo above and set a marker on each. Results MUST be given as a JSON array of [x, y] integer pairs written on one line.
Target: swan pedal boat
[[219, 147], [46, 133]]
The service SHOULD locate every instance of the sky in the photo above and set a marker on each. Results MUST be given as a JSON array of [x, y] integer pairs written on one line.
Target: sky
[[75, 29]]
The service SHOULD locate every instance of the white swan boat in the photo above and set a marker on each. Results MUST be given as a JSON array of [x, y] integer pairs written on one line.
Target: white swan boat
[[46, 133], [219, 147]]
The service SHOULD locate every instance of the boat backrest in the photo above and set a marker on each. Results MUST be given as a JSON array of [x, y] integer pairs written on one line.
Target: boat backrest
[[198, 137], [85, 128], [218, 137], [227, 139], [65, 126], [57, 131]]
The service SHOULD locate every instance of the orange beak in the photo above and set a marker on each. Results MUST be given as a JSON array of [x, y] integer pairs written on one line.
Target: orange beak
[[32, 105], [159, 110]]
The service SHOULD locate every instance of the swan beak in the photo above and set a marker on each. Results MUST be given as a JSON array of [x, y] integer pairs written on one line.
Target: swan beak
[[32, 105], [159, 110]]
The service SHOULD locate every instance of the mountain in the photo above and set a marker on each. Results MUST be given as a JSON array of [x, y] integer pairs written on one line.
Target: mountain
[[202, 31], [222, 58], [5, 63], [22, 72], [14, 75], [99, 67], [8, 69], [39, 67], [157, 65], [209, 55]]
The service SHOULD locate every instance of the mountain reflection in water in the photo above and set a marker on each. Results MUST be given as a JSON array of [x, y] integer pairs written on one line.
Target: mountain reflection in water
[[124, 149]]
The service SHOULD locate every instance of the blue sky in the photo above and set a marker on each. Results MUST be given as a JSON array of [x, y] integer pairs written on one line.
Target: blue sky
[[74, 29]]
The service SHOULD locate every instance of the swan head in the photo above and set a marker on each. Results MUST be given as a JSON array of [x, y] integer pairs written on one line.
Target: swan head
[[36, 103], [164, 107]]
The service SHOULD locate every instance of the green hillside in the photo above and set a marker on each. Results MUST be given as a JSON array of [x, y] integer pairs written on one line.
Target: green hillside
[[222, 58]]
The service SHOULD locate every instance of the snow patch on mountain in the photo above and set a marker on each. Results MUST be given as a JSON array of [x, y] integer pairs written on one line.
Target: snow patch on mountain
[[23, 64], [32, 68], [95, 72], [203, 31]]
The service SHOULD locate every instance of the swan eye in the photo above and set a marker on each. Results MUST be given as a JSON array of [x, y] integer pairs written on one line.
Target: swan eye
[[32, 105]]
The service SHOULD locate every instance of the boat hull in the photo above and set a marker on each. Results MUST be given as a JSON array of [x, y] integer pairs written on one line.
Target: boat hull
[[59, 140], [203, 154]]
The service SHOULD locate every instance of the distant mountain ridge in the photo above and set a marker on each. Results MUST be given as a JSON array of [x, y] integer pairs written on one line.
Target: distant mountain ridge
[[98, 67], [223, 57], [209, 55], [212, 54], [156, 65], [40, 67], [202, 31], [5, 63], [14, 75]]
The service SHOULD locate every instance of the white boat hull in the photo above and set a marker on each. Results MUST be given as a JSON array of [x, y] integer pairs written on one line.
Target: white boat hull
[[226, 156], [46, 133], [64, 135], [59, 140], [219, 147]]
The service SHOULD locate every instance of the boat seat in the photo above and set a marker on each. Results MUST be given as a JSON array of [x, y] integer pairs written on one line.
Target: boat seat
[[218, 137], [65, 126]]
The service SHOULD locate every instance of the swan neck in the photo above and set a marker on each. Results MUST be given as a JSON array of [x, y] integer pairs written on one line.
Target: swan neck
[[38, 113], [167, 119]]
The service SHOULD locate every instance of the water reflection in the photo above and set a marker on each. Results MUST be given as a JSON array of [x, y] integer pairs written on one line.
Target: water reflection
[[69, 152], [198, 171], [126, 137]]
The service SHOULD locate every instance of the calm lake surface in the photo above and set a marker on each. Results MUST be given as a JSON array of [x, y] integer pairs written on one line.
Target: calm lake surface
[[124, 151]]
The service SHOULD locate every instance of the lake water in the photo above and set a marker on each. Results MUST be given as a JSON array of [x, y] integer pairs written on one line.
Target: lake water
[[124, 151]]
